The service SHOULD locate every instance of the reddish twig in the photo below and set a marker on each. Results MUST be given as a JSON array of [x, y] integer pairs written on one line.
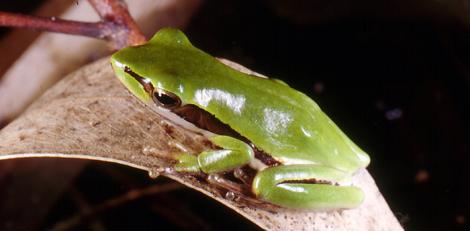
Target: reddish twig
[[116, 11], [96, 30], [116, 25]]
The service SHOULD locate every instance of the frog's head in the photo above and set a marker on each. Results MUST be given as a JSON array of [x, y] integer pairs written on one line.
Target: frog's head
[[152, 71]]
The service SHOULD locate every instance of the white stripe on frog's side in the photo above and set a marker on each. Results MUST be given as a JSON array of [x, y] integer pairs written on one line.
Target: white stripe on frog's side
[[177, 120]]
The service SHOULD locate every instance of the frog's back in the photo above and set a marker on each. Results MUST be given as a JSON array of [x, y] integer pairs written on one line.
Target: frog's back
[[278, 119]]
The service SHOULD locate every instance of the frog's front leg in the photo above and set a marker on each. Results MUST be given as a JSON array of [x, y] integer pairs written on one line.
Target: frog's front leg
[[234, 153], [305, 187]]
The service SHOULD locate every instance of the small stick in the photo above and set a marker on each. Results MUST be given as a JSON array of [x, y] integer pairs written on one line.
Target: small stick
[[95, 30], [116, 11], [115, 202], [116, 26]]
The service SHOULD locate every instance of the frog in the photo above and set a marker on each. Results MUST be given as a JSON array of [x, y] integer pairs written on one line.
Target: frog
[[301, 159]]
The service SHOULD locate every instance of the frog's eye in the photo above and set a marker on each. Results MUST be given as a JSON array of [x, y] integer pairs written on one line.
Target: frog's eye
[[166, 99]]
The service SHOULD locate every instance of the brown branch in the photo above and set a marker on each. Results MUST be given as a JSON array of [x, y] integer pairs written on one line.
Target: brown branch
[[84, 206], [116, 11], [95, 30], [116, 26], [115, 202]]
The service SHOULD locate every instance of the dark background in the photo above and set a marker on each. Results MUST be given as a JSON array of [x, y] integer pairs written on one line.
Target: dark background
[[394, 75]]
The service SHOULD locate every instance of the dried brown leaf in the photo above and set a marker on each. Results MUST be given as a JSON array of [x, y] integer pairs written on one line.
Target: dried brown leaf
[[89, 115]]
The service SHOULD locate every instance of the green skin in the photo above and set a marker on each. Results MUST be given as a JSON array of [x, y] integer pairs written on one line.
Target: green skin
[[284, 123]]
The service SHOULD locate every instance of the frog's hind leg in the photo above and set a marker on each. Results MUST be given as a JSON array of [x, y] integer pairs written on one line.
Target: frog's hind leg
[[305, 187]]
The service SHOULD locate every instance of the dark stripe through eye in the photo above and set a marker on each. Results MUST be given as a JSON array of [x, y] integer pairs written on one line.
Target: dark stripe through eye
[[160, 97], [146, 83]]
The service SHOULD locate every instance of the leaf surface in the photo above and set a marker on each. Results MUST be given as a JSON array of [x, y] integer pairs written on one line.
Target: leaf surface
[[90, 115]]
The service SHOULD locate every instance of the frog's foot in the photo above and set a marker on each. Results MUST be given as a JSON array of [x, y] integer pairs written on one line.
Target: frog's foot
[[234, 153], [222, 182], [239, 180], [238, 192], [306, 187], [245, 175]]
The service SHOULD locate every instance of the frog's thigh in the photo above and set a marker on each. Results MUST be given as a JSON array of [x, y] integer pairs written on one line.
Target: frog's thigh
[[282, 185], [234, 153]]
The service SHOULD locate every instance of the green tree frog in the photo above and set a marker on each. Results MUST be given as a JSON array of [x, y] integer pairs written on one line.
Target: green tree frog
[[301, 158]]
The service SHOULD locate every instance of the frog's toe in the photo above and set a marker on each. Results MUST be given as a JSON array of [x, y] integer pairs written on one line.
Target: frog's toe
[[187, 163]]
